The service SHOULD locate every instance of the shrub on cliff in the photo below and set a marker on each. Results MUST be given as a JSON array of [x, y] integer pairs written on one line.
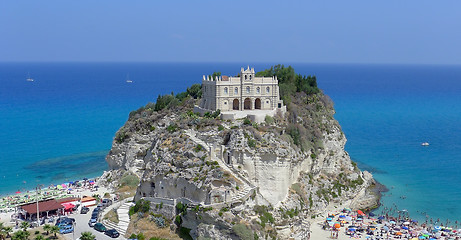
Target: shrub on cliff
[[243, 231], [290, 82]]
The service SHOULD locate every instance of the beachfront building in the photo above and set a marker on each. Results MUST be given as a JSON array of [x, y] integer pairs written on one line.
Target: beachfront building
[[241, 95]]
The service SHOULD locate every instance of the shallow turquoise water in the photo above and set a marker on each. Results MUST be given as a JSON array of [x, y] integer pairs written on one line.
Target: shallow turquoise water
[[61, 126]]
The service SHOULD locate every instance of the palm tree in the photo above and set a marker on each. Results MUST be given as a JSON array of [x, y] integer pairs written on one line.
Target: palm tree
[[87, 236], [47, 228], [2, 234], [39, 237], [24, 225], [55, 230], [8, 230], [20, 235]]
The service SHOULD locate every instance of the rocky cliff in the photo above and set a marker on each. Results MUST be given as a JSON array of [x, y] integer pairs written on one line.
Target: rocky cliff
[[238, 178]]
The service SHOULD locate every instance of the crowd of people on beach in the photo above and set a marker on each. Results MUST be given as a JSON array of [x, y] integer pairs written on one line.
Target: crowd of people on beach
[[69, 189], [358, 225]]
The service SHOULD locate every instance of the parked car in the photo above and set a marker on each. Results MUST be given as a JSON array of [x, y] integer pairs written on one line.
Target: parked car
[[92, 222], [96, 210], [64, 221], [66, 229], [106, 202], [84, 210], [112, 233], [100, 227]]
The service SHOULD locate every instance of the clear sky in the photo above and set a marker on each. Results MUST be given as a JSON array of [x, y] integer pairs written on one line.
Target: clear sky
[[333, 31]]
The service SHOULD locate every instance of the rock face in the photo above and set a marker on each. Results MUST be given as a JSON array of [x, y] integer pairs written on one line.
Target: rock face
[[239, 177]]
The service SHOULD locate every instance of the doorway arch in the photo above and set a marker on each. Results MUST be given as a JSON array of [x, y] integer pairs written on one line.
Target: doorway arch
[[258, 103], [247, 104], [235, 104]]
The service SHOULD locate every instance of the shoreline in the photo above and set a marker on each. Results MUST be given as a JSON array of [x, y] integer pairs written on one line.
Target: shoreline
[[11, 201]]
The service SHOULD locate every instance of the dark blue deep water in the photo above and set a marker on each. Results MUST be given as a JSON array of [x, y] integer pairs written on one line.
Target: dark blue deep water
[[60, 127]]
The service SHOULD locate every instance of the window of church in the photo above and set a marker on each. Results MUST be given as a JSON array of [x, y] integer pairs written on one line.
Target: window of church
[[225, 90], [250, 77], [236, 91], [248, 89], [258, 90], [246, 77], [268, 90]]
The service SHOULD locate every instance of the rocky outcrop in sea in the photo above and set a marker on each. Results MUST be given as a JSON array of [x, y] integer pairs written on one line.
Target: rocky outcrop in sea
[[235, 179]]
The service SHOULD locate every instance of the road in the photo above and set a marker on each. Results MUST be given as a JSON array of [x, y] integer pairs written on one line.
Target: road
[[81, 221]]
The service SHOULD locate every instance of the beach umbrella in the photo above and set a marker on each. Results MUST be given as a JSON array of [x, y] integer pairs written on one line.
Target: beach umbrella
[[360, 212], [342, 216], [59, 186], [386, 228], [392, 222], [63, 185], [381, 217], [371, 214], [398, 233], [422, 237], [404, 227], [348, 218], [437, 228], [337, 225], [17, 192], [84, 179], [406, 223], [329, 219]]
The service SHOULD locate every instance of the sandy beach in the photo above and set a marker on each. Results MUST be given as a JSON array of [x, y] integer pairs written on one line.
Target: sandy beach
[[348, 224], [7, 209]]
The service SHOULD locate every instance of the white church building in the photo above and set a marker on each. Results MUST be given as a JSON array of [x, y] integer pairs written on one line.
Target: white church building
[[241, 96]]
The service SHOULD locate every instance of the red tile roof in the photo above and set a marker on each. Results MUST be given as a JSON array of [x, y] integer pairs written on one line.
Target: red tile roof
[[48, 205]]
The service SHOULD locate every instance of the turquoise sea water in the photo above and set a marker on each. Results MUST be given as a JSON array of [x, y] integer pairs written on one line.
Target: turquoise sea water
[[60, 127]]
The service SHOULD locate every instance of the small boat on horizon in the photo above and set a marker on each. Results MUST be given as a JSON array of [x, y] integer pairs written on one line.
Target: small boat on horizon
[[128, 80], [425, 144], [29, 79]]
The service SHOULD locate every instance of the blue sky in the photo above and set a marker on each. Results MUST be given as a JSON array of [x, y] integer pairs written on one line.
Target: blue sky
[[336, 31]]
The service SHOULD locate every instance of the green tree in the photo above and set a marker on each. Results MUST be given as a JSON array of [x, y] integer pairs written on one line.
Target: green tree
[[8, 230], [87, 236], [25, 225], [39, 237], [55, 230], [195, 91], [2, 234], [20, 235], [215, 74], [47, 228]]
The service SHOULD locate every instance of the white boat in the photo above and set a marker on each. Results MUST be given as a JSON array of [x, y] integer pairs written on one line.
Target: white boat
[[425, 144], [128, 80], [29, 79]]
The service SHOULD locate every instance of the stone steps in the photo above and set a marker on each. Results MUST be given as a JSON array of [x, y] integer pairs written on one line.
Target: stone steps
[[245, 187]]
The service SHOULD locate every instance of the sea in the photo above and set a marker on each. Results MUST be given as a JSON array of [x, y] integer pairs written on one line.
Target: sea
[[60, 127]]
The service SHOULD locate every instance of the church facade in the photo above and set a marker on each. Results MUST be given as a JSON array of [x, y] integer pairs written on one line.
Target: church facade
[[244, 92]]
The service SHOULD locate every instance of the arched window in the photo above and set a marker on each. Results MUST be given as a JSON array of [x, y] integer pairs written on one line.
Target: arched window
[[268, 90], [248, 89], [246, 77], [258, 90], [225, 90], [250, 77], [236, 91]]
